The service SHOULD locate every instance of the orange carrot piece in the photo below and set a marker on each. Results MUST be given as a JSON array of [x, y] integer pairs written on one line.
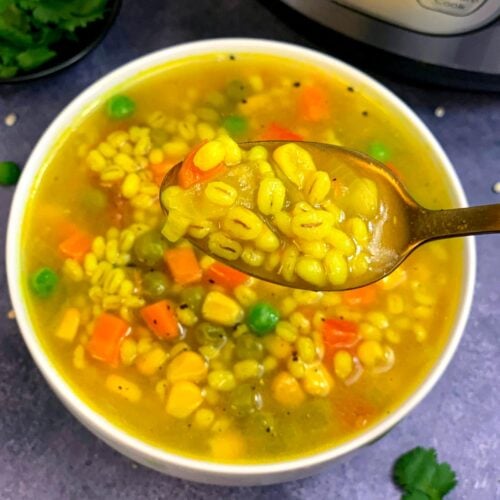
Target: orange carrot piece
[[276, 132], [338, 334], [313, 103], [225, 276], [159, 170], [183, 265], [360, 296], [76, 245], [161, 319], [107, 335], [189, 174]]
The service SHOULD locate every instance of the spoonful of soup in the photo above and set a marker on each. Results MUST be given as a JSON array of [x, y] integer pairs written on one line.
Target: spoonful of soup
[[304, 214]]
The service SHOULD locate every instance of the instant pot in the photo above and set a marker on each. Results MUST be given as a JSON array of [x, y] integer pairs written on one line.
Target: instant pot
[[452, 42]]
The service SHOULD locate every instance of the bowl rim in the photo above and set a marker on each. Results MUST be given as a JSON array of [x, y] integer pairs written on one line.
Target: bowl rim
[[97, 423]]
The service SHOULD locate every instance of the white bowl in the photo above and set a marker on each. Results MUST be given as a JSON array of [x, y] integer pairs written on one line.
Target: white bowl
[[156, 458]]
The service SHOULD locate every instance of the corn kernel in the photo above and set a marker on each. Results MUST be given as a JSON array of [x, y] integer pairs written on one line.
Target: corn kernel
[[68, 327], [286, 331], [248, 369], [79, 360], [221, 380], [128, 351], [150, 362], [252, 257], [286, 390], [342, 364], [187, 365], [183, 398], [269, 364], [203, 418], [123, 387], [278, 347], [306, 349], [245, 295], [209, 155], [370, 353], [221, 309], [317, 381], [369, 332]]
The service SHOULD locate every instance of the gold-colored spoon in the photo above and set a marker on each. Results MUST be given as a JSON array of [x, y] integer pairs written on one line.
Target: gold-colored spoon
[[400, 226]]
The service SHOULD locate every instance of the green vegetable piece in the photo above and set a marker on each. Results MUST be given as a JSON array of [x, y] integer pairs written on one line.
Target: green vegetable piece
[[244, 400], [193, 296], [248, 347], [9, 173], [33, 58], [94, 200], [379, 151], [208, 334], [155, 284], [235, 125], [120, 107], [149, 248], [44, 281], [420, 476], [262, 318]]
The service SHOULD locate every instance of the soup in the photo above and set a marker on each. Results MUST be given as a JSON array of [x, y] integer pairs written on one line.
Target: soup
[[184, 352]]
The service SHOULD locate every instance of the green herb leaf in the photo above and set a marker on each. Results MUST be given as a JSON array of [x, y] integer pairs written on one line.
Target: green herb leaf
[[32, 58], [420, 475]]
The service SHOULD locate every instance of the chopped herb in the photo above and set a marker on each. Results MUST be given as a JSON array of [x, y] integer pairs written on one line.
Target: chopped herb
[[421, 477], [31, 29]]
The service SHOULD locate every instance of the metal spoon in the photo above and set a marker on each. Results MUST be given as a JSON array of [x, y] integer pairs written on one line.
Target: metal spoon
[[400, 227]]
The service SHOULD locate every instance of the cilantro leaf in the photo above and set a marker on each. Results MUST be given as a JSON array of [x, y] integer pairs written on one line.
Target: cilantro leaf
[[420, 475], [32, 58]]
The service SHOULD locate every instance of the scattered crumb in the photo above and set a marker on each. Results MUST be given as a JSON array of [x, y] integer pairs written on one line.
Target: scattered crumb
[[439, 112], [11, 314], [10, 119], [496, 187]]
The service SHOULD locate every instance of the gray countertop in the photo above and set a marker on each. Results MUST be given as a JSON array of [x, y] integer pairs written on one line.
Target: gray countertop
[[46, 454]]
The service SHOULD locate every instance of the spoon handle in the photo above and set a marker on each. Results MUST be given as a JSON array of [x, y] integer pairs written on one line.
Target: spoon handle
[[434, 224]]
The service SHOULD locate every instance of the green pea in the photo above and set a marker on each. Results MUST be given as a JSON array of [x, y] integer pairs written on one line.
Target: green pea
[[158, 136], [379, 151], [237, 90], [155, 284], [235, 125], [120, 107], [261, 423], [44, 281], [149, 248], [244, 400], [9, 173], [193, 296], [248, 347], [94, 200], [262, 318], [208, 334]]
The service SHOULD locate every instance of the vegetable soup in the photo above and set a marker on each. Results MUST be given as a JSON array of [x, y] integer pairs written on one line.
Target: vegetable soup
[[184, 352]]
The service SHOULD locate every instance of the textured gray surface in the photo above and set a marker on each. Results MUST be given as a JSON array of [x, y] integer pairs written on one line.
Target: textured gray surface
[[46, 454]]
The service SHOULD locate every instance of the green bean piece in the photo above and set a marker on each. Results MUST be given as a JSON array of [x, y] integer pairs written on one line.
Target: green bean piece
[[235, 125], [262, 318], [120, 107], [248, 347], [193, 296], [208, 334], [155, 285], [9, 173], [237, 90], [149, 248], [43, 281], [244, 400], [379, 151]]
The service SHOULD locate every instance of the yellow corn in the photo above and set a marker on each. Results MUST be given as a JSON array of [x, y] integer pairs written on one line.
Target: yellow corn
[[340, 241], [252, 257], [209, 155], [178, 349], [187, 365], [306, 297], [221, 380], [130, 185], [270, 196], [287, 305], [378, 318], [269, 364], [203, 418], [392, 336], [306, 349], [248, 369], [317, 187], [395, 303], [300, 322], [245, 295], [336, 267], [128, 351], [286, 331], [370, 353], [176, 149], [310, 270], [295, 162], [233, 151], [73, 270], [316, 249], [358, 230], [317, 381], [420, 332], [312, 225], [221, 193], [228, 445], [296, 367], [68, 327], [342, 364], [242, 223], [150, 362], [183, 399], [369, 332], [276, 346], [257, 153], [123, 387], [205, 131], [186, 316], [288, 262], [331, 299], [286, 390], [283, 221], [79, 360], [221, 309]]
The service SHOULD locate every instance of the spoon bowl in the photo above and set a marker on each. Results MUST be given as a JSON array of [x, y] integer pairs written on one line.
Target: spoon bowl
[[399, 227]]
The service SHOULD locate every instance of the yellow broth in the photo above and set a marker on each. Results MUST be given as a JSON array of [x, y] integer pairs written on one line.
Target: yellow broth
[[402, 323]]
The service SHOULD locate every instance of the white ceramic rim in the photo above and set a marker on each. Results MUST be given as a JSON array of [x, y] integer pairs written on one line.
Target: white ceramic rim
[[97, 423]]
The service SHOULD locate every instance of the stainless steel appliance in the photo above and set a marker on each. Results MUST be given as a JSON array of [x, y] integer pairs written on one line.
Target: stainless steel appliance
[[458, 41]]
